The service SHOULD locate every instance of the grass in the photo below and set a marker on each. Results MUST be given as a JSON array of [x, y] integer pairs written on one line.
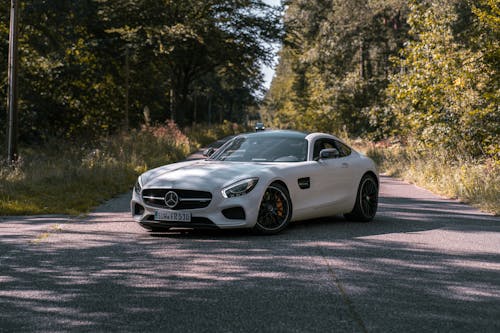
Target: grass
[[73, 178], [476, 182], [69, 178], [202, 135]]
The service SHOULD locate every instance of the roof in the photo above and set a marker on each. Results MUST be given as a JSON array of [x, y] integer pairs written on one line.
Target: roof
[[279, 134]]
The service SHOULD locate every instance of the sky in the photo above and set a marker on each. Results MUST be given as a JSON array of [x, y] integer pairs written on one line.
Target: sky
[[269, 71]]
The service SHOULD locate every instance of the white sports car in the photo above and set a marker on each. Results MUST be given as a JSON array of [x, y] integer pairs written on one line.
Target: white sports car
[[261, 181]]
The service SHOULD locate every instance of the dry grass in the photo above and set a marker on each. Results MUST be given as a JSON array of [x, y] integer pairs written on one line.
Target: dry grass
[[71, 178], [471, 181], [203, 135]]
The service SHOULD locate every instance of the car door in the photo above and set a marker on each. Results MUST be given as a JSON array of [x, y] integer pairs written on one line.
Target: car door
[[333, 177]]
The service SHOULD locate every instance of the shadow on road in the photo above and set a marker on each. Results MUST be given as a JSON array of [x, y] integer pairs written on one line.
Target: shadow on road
[[424, 264]]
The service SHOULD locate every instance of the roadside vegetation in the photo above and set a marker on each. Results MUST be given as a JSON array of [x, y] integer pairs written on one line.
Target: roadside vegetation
[[72, 178], [425, 74], [469, 180], [90, 79]]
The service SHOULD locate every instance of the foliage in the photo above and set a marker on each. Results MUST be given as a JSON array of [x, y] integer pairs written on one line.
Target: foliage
[[64, 87], [422, 70], [463, 179], [334, 64], [72, 178], [201, 135], [443, 96], [424, 73], [94, 70]]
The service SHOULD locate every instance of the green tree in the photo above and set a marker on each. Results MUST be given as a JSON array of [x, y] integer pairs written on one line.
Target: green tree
[[486, 42], [442, 95], [64, 89], [96, 67], [191, 41], [335, 63]]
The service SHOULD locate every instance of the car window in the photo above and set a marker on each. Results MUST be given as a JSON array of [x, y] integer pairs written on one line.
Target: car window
[[263, 149], [343, 149], [321, 144]]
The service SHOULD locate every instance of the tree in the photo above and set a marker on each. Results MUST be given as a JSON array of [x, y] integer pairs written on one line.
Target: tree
[[65, 90], [96, 68], [441, 97], [193, 40], [336, 63]]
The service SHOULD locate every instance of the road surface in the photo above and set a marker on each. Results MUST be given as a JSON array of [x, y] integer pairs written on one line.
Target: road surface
[[426, 264]]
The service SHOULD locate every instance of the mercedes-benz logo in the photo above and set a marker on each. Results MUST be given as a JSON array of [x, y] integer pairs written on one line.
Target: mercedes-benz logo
[[171, 199]]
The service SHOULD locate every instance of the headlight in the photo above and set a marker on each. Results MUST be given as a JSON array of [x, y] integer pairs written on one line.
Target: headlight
[[138, 186], [240, 188]]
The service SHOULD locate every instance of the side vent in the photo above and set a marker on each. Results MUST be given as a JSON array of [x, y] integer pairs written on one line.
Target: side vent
[[304, 183]]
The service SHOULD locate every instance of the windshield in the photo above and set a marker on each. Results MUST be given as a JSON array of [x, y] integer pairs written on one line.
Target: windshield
[[263, 149]]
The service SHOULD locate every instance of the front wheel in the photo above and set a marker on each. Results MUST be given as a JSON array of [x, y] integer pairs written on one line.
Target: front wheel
[[275, 210], [366, 201]]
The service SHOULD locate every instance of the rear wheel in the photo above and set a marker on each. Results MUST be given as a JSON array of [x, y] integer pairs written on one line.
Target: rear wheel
[[366, 201], [275, 210]]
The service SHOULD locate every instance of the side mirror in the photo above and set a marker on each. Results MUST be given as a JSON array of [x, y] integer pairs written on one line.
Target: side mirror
[[329, 153], [208, 152]]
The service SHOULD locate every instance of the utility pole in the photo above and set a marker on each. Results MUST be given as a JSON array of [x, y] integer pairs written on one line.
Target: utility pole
[[12, 132], [127, 87]]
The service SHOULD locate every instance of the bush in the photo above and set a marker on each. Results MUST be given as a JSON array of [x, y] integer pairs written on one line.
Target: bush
[[470, 180], [71, 178]]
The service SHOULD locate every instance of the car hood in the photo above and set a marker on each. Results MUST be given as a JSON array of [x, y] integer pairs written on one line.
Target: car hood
[[202, 174]]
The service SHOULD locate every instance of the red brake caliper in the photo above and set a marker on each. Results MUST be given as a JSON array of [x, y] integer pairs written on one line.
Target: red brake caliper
[[279, 207]]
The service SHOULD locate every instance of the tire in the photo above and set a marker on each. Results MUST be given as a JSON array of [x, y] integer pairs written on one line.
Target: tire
[[366, 201], [275, 210]]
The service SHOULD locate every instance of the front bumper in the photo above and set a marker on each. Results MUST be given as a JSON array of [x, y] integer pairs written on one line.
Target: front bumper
[[221, 213]]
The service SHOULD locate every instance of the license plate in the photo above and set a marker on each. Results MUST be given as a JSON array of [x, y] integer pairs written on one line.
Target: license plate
[[172, 215]]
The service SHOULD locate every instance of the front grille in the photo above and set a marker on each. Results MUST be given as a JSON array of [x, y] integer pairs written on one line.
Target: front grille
[[188, 199]]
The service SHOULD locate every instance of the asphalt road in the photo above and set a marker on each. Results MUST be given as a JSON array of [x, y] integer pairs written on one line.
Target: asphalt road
[[425, 264]]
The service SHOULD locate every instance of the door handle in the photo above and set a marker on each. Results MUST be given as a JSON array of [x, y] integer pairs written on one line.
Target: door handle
[[345, 165]]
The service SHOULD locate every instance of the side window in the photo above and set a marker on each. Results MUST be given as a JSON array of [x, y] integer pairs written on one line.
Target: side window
[[321, 144], [343, 149]]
